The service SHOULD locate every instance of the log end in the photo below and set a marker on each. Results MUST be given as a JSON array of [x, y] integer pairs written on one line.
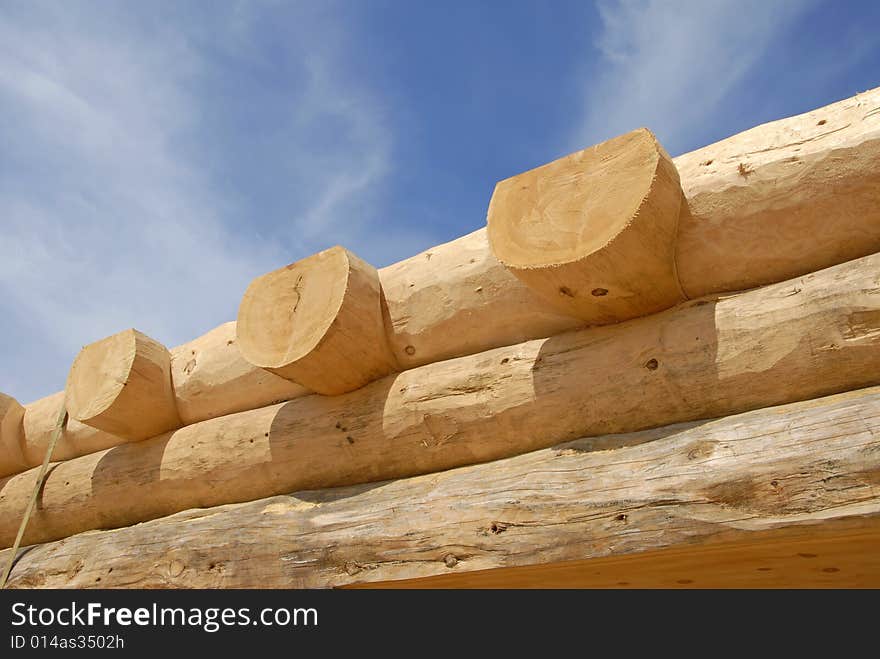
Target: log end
[[594, 233], [319, 322], [11, 436], [122, 385]]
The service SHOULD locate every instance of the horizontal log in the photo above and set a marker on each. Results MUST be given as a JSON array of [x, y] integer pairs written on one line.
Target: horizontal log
[[782, 199], [212, 379], [40, 419], [11, 436], [681, 487], [817, 335], [777, 201]]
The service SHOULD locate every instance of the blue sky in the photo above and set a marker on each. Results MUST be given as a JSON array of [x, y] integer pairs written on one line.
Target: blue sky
[[155, 157]]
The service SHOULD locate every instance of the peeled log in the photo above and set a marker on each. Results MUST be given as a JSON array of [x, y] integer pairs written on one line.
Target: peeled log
[[122, 385], [807, 196], [11, 436], [211, 378], [792, 341], [801, 478], [594, 233], [319, 322], [456, 299], [782, 199], [40, 419]]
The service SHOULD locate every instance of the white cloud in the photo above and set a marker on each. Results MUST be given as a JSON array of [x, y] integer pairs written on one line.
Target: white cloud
[[108, 214], [670, 65]]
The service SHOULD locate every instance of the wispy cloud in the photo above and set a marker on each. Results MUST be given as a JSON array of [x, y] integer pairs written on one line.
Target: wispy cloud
[[112, 214], [670, 65]]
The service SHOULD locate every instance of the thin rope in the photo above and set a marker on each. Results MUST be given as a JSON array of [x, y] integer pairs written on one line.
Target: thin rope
[[56, 434]]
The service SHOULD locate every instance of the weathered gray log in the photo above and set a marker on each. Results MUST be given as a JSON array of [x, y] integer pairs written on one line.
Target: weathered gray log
[[817, 335], [682, 486]]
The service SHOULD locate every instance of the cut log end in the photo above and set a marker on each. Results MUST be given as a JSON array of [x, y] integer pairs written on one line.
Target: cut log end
[[319, 322], [122, 385], [594, 232], [11, 436]]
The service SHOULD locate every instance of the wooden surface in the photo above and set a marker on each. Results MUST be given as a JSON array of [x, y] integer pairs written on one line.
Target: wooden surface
[[594, 233], [676, 487], [319, 322], [456, 299], [11, 436], [797, 340], [40, 419], [842, 553], [212, 379], [781, 199], [122, 385], [777, 201]]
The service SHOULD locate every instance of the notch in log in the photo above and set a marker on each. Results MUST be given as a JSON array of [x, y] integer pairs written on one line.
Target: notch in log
[[12, 458], [594, 233], [122, 385], [319, 322]]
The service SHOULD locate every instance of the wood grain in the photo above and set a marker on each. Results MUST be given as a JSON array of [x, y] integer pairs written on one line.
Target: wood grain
[[744, 478], [792, 341]]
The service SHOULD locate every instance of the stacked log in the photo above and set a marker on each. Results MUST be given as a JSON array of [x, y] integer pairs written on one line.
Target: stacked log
[[601, 299], [211, 378], [12, 458], [789, 494], [797, 340], [780, 200]]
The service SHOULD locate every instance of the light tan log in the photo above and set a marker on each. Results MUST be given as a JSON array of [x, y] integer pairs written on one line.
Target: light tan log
[[783, 199], [122, 385], [40, 418], [456, 299], [211, 378], [807, 196], [810, 337], [801, 478], [319, 322], [594, 233], [11, 436]]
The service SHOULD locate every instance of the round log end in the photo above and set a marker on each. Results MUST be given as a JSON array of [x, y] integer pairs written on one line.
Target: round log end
[[319, 322], [594, 232], [11, 436], [122, 385]]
